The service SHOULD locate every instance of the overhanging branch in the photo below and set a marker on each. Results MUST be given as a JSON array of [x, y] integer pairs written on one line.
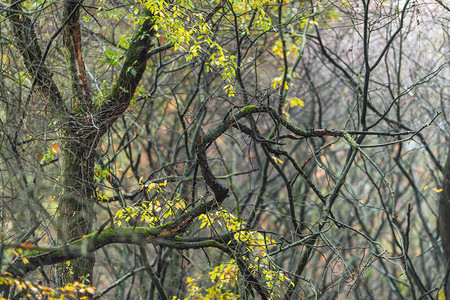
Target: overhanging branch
[[161, 235]]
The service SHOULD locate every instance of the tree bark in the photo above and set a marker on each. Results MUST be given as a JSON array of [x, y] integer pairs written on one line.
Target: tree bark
[[76, 209], [444, 220], [81, 124]]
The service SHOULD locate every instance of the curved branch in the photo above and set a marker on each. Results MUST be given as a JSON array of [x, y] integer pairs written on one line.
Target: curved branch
[[231, 121], [161, 235]]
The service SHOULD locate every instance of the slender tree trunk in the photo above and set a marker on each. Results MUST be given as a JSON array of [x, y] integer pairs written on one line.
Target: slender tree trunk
[[444, 220]]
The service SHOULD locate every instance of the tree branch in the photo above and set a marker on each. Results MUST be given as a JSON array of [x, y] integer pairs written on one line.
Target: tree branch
[[131, 73], [72, 46], [27, 43], [161, 235]]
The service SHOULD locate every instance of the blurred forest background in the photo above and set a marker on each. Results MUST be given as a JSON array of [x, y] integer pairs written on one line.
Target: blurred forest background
[[251, 149]]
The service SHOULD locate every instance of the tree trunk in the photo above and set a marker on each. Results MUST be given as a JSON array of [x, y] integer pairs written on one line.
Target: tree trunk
[[81, 125], [444, 220], [76, 209]]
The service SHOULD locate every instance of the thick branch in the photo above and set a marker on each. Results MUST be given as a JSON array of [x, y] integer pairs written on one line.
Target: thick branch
[[131, 73], [220, 192], [27, 43], [161, 235], [72, 47]]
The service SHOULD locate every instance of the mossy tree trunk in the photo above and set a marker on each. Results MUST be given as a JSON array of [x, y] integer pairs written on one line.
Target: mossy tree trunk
[[80, 123], [76, 208]]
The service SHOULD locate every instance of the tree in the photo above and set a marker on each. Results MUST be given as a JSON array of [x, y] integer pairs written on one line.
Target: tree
[[166, 139]]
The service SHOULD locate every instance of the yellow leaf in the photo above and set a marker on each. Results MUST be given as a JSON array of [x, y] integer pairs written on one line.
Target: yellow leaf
[[441, 295], [438, 190], [277, 160], [425, 187], [296, 102]]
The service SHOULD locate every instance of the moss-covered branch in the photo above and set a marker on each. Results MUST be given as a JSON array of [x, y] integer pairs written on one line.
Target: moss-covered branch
[[232, 121], [26, 41], [96, 240], [131, 73]]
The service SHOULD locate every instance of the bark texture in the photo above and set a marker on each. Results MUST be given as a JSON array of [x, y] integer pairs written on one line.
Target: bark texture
[[444, 220], [81, 124]]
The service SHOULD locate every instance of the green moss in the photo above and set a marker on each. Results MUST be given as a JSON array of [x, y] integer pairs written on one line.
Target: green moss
[[249, 108], [351, 141], [35, 252]]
